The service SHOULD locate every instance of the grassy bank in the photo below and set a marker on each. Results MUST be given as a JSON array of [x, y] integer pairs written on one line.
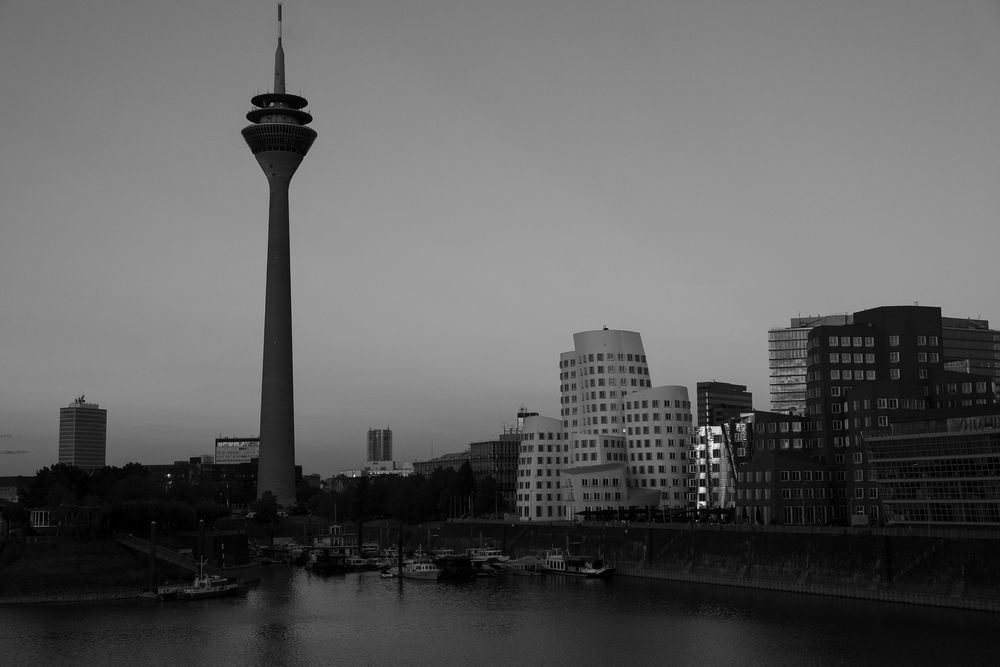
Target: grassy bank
[[69, 571]]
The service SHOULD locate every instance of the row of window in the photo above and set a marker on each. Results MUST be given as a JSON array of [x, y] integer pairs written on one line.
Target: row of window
[[600, 356], [847, 341]]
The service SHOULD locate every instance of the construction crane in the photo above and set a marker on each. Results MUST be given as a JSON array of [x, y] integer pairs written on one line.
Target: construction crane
[[14, 451]]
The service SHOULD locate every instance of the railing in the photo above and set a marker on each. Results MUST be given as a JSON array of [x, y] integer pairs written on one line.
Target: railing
[[919, 559], [163, 553], [245, 572]]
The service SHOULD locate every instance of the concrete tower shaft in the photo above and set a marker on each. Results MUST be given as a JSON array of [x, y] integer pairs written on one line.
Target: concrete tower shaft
[[279, 140]]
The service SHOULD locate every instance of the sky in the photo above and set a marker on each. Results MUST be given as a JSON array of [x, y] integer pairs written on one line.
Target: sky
[[489, 178]]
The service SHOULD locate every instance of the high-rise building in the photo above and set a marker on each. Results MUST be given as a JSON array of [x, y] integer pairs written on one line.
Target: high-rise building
[[83, 429], [379, 444], [279, 139], [968, 345], [883, 366], [786, 350], [720, 402]]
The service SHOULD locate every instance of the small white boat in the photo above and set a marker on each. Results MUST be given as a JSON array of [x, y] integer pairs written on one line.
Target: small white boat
[[209, 586], [421, 570], [558, 561]]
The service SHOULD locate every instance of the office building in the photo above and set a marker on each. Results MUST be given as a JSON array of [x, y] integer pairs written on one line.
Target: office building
[[940, 469], [452, 461], [720, 402], [967, 345], [787, 361], [880, 366], [236, 450], [379, 444], [279, 139], [83, 429], [970, 346]]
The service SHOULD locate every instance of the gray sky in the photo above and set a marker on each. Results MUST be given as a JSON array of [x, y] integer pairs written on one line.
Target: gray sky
[[489, 178]]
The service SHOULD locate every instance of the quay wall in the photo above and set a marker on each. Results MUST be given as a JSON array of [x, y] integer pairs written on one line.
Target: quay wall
[[958, 569]]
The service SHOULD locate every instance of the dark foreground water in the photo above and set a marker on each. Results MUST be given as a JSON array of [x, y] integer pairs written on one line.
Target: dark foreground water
[[295, 618]]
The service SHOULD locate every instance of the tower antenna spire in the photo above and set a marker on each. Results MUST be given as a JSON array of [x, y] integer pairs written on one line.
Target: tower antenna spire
[[279, 61]]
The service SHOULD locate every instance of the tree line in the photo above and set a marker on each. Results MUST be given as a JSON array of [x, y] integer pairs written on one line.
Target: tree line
[[126, 499]]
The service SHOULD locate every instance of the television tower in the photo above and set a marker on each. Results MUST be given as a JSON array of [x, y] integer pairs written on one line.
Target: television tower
[[279, 139]]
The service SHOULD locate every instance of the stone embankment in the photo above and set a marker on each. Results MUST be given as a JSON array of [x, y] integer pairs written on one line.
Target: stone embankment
[[957, 569]]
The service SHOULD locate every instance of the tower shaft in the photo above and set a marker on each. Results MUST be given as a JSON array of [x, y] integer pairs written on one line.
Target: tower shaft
[[276, 467]]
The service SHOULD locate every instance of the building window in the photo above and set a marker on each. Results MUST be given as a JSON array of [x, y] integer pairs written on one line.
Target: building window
[[894, 357], [893, 373], [893, 341]]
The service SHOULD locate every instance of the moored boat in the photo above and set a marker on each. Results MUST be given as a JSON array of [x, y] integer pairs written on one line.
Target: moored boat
[[488, 561], [421, 570], [327, 560], [558, 561], [209, 586]]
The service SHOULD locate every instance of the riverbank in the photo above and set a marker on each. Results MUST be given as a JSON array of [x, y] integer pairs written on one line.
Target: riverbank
[[49, 572], [952, 569]]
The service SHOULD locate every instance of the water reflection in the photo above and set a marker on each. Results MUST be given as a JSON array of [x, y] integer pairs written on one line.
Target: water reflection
[[295, 617]]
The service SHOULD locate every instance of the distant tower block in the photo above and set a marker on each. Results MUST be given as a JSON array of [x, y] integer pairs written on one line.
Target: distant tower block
[[279, 139], [83, 430]]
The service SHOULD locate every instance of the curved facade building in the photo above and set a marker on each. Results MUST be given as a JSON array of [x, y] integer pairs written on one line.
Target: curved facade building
[[619, 434]]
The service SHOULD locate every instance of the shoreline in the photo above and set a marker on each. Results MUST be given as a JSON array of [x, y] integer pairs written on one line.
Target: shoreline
[[820, 590], [872, 594]]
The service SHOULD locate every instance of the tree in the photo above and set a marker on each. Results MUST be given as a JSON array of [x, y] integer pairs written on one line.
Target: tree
[[266, 508], [488, 497]]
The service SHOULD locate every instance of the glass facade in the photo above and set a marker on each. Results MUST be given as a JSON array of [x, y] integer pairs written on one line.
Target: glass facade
[[787, 368], [939, 478]]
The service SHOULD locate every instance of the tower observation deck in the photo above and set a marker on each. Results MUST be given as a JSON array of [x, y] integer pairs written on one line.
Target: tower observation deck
[[279, 139]]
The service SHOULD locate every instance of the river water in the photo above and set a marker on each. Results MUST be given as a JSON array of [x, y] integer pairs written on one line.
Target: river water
[[293, 617]]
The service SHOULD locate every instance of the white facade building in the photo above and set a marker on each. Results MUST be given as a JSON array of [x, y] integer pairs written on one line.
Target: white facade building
[[544, 453], [618, 433], [236, 450]]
